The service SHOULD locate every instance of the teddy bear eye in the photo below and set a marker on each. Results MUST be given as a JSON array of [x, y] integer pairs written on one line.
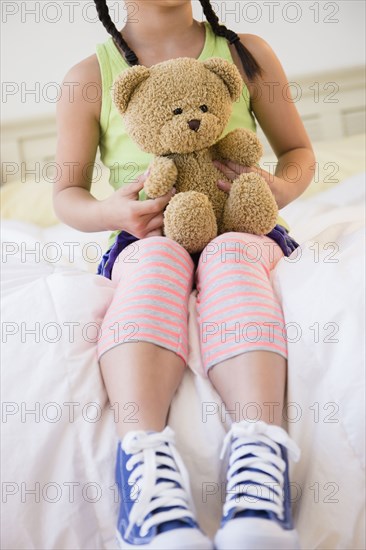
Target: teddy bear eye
[[178, 111], [204, 108]]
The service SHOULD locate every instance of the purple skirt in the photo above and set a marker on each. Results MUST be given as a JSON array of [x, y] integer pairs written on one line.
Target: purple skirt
[[278, 234]]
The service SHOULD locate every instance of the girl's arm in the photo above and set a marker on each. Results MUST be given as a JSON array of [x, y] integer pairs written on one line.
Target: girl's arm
[[78, 138], [279, 119]]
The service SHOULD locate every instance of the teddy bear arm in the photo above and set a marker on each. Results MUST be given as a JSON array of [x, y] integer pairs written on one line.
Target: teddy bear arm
[[162, 177], [241, 146]]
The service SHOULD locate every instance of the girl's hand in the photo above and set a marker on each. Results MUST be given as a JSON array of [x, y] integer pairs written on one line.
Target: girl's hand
[[232, 170], [123, 210]]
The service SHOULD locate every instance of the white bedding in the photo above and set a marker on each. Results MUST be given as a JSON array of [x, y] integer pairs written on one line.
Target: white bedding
[[66, 456]]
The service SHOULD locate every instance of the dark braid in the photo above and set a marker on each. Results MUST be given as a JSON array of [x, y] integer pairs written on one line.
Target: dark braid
[[105, 18], [250, 65]]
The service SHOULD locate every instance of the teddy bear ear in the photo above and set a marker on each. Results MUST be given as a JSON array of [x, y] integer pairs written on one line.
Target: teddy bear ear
[[125, 85], [228, 73]]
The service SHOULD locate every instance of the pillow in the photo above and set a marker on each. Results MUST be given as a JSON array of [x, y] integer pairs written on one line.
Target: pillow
[[28, 202], [31, 201]]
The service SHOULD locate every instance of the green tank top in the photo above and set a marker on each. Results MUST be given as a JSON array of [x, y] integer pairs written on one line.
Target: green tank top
[[118, 151]]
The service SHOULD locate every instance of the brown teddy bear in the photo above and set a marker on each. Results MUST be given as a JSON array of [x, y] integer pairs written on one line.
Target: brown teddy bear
[[177, 110]]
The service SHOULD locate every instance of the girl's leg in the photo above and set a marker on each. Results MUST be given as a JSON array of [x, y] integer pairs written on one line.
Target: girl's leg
[[141, 379], [244, 351], [242, 327], [143, 349], [263, 375], [143, 353]]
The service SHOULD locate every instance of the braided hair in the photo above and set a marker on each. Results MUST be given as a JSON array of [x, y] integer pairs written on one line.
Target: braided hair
[[250, 65], [105, 18]]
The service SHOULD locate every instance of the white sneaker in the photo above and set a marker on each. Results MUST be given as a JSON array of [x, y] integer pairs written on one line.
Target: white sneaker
[[257, 511]]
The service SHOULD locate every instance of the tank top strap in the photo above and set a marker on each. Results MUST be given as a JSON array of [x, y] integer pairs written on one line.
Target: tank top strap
[[215, 46], [111, 64]]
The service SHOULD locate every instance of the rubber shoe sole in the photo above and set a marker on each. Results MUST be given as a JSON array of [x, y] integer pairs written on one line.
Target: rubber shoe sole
[[255, 534], [176, 539]]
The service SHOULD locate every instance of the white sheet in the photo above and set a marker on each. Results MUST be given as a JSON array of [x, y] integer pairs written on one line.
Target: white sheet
[[325, 387]]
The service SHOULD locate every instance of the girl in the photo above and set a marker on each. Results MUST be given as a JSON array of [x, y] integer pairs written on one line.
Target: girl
[[153, 278]]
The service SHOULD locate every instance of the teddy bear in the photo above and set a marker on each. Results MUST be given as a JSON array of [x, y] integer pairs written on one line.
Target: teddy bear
[[178, 111]]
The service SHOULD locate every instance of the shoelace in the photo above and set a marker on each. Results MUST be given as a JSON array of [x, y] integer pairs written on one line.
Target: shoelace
[[150, 494], [263, 489]]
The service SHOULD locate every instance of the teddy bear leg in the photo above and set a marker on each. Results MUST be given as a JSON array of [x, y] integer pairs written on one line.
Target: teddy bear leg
[[189, 220], [250, 207]]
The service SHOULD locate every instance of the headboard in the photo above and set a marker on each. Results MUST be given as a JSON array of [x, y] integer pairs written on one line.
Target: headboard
[[331, 106]]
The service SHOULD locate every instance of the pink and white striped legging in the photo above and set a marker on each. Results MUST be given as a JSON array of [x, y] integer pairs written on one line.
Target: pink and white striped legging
[[237, 309]]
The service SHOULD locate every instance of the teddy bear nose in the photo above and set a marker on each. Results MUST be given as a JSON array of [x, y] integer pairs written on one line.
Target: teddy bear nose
[[194, 124]]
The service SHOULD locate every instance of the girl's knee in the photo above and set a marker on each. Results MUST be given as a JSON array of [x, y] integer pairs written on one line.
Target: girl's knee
[[165, 245], [150, 250], [163, 242], [226, 246], [237, 237], [235, 247]]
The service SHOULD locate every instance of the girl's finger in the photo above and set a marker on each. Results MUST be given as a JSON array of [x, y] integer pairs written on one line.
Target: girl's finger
[[155, 233], [243, 169], [132, 189], [155, 223], [234, 166], [230, 174], [152, 207], [224, 186]]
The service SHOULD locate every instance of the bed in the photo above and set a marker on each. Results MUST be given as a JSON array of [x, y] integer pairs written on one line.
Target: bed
[[58, 438]]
